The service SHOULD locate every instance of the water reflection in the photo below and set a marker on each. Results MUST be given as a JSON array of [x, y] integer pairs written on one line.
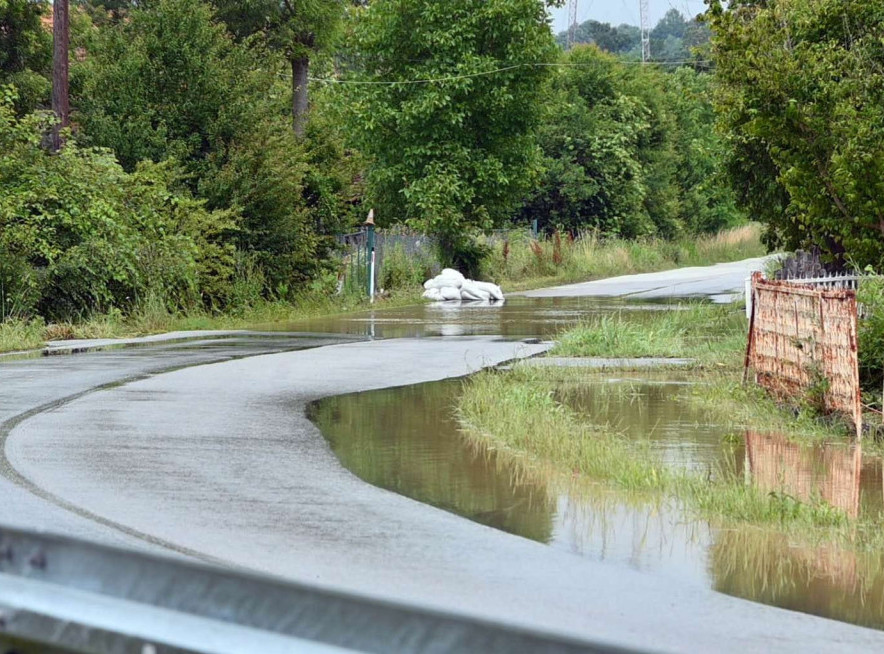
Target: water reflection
[[826, 472], [407, 440], [518, 317], [825, 580]]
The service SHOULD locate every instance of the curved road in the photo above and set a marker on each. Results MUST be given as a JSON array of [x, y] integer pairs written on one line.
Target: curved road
[[203, 449]]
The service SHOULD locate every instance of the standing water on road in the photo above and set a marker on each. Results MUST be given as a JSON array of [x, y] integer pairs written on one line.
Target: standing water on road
[[518, 317], [407, 440]]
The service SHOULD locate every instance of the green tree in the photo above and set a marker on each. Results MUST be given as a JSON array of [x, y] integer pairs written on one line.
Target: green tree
[[630, 151], [446, 112], [168, 82], [79, 235], [802, 98], [300, 29], [25, 51]]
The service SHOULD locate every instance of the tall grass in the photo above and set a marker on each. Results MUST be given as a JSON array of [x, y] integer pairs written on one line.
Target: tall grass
[[515, 413], [519, 262], [16, 335], [712, 334]]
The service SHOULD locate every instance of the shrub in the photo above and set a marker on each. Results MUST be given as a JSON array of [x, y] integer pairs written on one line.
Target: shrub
[[79, 235]]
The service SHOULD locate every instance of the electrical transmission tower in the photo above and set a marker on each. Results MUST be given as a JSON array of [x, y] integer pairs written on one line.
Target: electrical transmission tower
[[646, 29], [572, 22]]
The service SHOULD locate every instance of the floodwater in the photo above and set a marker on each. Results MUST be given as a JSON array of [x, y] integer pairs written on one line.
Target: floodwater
[[407, 440], [518, 317]]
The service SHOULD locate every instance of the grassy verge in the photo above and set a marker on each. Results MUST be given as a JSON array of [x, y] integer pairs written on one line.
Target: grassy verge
[[518, 413], [521, 263], [18, 335], [711, 334]]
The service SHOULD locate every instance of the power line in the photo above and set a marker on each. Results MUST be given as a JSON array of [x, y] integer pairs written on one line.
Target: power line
[[452, 78]]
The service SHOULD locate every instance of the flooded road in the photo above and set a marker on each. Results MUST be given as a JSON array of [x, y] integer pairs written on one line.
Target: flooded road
[[518, 317], [205, 450], [407, 440]]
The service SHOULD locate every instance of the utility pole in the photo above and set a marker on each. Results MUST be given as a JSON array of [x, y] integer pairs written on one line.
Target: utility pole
[[646, 29], [60, 98], [572, 22]]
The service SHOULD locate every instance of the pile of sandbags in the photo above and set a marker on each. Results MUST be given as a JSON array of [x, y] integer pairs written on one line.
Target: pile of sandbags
[[451, 285]]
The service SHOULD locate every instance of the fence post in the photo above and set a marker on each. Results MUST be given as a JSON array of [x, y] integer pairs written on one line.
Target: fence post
[[369, 224]]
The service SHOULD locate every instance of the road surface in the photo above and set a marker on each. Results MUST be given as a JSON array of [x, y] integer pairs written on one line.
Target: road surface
[[204, 450], [721, 282]]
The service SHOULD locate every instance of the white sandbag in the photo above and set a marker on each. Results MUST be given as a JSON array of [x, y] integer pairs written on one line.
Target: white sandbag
[[492, 289], [433, 294], [450, 293], [470, 291], [451, 272], [441, 281]]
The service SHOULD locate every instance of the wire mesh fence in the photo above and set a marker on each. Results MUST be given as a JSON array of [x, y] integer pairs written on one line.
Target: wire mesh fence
[[803, 345]]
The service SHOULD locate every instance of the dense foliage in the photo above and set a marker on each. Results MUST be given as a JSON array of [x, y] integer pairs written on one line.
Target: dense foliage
[[802, 97], [78, 233], [25, 51], [458, 154], [186, 182], [629, 151]]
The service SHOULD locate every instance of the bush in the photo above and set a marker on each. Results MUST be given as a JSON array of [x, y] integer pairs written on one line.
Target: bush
[[79, 235], [871, 333], [399, 269]]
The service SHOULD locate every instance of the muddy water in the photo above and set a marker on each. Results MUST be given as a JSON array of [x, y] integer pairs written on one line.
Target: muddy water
[[406, 440], [518, 317]]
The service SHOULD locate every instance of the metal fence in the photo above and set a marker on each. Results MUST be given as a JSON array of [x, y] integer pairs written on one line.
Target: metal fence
[[803, 345], [64, 595], [388, 244]]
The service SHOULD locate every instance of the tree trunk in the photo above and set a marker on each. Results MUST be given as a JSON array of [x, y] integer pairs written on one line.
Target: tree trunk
[[300, 71], [60, 98]]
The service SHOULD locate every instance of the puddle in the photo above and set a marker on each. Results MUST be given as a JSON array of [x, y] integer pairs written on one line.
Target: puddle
[[518, 317], [407, 441]]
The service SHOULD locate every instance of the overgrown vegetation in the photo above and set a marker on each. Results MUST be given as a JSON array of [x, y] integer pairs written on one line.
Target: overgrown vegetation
[[516, 413], [198, 180], [800, 97], [518, 261]]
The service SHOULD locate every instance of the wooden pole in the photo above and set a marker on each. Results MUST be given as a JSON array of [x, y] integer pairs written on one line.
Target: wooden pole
[[60, 90]]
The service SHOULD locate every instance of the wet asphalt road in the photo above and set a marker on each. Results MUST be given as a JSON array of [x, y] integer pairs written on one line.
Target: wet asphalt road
[[191, 448], [720, 282]]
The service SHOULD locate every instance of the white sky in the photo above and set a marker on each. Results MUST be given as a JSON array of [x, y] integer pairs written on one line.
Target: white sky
[[623, 11]]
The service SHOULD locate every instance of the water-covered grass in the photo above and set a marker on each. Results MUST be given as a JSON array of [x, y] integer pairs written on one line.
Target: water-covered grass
[[516, 414], [520, 262], [712, 334]]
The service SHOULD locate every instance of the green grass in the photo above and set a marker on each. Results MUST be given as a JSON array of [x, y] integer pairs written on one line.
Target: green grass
[[524, 263], [19, 335], [516, 414], [151, 318], [712, 334]]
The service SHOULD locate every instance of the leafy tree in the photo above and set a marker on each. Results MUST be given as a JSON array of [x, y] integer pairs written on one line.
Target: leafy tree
[[448, 115], [300, 29], [80, 235], [168, 82], [25, 51], [593, 178], [630, 151], [802, 97]]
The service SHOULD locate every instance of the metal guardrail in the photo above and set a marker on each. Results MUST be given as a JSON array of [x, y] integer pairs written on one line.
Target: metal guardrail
[[63, 595]]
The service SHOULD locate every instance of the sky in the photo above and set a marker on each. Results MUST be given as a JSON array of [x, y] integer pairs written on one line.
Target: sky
[[623, 11]]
